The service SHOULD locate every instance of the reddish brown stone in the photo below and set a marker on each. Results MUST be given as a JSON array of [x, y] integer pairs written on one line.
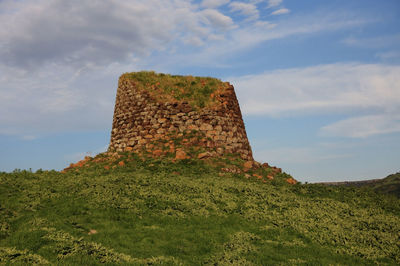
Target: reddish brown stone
[[203, 155], [142, 141], [157, 153], [276, 170], [265, 165], [192, 127], [180, 155], [291, 181], [257, 176], [248, 164], [92, 232]]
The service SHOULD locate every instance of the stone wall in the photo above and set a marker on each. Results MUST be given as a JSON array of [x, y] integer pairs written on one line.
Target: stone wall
[[140, 120]]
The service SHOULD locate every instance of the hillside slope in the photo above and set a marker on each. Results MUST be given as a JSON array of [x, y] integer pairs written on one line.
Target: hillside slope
[[134, 211], [389, 184]]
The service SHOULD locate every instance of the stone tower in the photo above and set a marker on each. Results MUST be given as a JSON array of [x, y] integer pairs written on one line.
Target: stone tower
[[153, 107]]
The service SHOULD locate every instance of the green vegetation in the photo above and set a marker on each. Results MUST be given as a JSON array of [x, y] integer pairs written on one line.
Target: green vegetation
[[389, 184], [197, 91], [159, 212]]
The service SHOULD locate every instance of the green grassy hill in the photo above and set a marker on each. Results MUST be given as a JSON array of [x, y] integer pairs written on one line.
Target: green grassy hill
[[136, 212], [388, 185]]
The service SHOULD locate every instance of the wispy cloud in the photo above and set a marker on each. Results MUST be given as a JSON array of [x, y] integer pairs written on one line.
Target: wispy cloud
[[214, 3], [70, 34], [364, 126], [84, 32], [217, 19], [389, 55], [318, 89], [281, 11], [28, 137], [49, 100], [373, 42], [247, 9], [345, 89], [245, 37], [274, 3]]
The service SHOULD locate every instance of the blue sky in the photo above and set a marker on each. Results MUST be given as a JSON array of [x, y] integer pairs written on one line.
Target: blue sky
[[318, 81]]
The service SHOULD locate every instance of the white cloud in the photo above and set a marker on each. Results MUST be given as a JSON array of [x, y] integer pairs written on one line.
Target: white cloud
[[93, 33], [245, 37], [214, 3], [217, 19], [28, 137], [86, 32], [246, 9], [54, 99], [281, 11], [332, 88], [388, 55], [274, 3], [81, 31], [328, 89], [194, 41], [364, 126], [264, 24], [373, 42]]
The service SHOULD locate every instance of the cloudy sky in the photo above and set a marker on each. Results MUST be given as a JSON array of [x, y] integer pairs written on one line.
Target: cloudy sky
[[318, 81]]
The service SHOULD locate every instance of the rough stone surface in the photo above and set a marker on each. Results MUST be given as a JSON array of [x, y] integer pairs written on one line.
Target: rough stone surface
[[140, 119], [203, 155], [291, 181], [248, 164], [181, 155]]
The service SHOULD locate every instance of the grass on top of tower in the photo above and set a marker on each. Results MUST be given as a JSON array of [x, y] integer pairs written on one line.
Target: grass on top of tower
[[199, 92]]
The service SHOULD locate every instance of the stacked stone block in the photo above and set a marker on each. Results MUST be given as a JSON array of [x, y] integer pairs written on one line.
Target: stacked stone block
[[140, 119]]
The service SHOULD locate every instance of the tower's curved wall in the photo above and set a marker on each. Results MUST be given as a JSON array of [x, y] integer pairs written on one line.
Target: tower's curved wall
[[140, 119]]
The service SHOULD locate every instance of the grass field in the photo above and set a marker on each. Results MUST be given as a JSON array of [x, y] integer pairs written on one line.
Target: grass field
[[160, 212]]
